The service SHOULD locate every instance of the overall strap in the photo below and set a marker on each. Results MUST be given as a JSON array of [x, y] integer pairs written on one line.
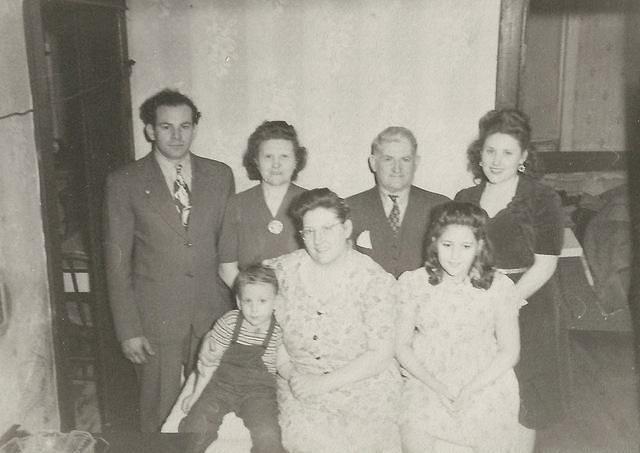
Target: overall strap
[[236, 330], [272, 326]]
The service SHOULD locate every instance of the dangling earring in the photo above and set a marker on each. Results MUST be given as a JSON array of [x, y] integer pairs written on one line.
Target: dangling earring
[[521, 168]]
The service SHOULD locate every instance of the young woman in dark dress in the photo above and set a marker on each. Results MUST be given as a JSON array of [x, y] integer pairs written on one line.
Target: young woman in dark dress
[[526, 232]]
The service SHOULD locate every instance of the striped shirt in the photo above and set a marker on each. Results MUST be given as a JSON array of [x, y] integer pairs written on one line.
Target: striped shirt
[[222, 333]]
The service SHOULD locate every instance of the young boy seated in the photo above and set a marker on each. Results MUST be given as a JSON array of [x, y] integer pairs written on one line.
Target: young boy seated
[[241, 378]]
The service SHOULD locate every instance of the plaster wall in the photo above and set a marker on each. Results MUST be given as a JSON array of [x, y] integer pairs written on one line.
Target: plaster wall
[[27, 381], [340, 72]]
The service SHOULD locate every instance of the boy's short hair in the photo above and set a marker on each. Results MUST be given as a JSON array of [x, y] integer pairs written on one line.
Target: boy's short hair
[[256, 273]]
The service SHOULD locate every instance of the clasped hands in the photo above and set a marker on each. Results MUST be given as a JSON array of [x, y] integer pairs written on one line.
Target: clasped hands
[[453, 401], [305, 385]]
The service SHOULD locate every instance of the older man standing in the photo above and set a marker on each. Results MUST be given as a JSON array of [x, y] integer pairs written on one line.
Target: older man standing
[[390, 220], [163, 219]]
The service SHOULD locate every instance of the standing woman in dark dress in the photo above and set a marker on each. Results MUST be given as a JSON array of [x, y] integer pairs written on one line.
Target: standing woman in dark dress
[[526, 232], [256, 224]]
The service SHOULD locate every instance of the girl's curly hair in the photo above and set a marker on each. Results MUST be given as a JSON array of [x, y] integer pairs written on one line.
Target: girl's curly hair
[[465, 214]]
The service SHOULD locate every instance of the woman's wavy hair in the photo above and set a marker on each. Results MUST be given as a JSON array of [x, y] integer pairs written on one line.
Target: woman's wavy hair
[[318, 198], [267, 131], [508, 121], [465, 214]]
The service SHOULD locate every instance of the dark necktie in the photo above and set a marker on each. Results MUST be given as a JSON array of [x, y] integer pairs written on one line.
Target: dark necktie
[[394, 215], [182, 196]]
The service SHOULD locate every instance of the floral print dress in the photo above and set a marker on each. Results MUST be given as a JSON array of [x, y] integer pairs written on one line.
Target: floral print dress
[[455, 340], [322, 334]]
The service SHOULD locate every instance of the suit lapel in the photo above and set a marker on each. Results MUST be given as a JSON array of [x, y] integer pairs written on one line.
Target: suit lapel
[[411, 215], [159, 197], [382, 228]]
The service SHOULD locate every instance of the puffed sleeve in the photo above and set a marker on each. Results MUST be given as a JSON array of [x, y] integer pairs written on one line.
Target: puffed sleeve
[[462, 195], [228, 244], [548, 222], [413, 294], [405, 297], [378, 308], [285, 267]]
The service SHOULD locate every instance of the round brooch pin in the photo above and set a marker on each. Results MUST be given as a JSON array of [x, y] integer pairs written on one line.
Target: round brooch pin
[[275, 227]]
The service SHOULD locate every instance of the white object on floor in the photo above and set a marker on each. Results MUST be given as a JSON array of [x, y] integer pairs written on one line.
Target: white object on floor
[[572, 248], [233, 436]]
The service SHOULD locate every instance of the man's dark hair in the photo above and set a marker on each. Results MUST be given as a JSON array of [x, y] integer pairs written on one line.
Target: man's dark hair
[[149, 108]]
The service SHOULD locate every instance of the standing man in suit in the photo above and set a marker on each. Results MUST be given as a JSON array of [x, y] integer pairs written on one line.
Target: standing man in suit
[[163, 218], [390, 220]]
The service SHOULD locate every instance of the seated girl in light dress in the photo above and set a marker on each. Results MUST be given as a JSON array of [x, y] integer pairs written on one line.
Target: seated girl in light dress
[[458, 340]]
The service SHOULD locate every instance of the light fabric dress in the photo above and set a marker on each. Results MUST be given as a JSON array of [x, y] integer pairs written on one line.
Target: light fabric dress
[[325, 334], [455, 340]]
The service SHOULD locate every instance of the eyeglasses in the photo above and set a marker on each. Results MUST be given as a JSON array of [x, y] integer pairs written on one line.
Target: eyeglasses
[[308, 233]]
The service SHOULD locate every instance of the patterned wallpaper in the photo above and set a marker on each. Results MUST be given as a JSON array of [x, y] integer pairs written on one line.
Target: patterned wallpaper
[[340, 71]]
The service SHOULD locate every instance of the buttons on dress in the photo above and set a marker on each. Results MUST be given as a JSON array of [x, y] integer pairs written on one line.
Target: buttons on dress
[[315, 337]]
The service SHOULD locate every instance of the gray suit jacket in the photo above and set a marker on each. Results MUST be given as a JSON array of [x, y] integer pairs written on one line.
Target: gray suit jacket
[[395, 254], [163, 279]]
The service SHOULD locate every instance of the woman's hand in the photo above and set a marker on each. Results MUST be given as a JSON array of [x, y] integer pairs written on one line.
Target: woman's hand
[[443, 389], [463, 399], [308, 385], [446, 395]]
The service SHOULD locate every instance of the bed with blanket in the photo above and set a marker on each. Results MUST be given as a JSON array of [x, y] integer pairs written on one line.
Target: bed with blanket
[[595, 276]]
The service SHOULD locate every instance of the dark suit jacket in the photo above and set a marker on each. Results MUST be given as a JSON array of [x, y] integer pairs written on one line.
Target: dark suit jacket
[[395, 255], [162, 278]]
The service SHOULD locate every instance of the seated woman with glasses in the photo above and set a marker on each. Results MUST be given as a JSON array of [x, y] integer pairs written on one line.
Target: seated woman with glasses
[[340, 386]]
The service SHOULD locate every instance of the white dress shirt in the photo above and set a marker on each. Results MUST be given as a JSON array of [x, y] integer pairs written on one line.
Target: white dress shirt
[[168, 168]]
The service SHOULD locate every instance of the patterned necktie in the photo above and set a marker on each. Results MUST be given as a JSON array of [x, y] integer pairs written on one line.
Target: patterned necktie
[[182, 196], [394, 215]]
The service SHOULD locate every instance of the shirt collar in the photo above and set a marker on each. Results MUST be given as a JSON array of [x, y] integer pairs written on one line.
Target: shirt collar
[[168, 168], [403, 196], [167, 164]]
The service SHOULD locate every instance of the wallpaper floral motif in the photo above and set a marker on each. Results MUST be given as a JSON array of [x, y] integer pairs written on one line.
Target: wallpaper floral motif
[[221, 43], [339, 71]]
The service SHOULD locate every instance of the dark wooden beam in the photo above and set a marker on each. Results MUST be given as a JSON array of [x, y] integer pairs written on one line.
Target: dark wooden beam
[[43, 132], [513, 14], [583, 161], [119, 4]]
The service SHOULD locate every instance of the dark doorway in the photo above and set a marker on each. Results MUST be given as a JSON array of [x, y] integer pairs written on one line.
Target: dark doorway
[[80, 81]]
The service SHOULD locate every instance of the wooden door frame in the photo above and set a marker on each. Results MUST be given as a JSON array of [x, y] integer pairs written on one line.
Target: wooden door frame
[[44, 139], [511, 61], [513, 19]]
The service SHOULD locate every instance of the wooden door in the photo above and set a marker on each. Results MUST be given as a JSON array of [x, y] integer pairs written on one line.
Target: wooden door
[[80, 70]]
